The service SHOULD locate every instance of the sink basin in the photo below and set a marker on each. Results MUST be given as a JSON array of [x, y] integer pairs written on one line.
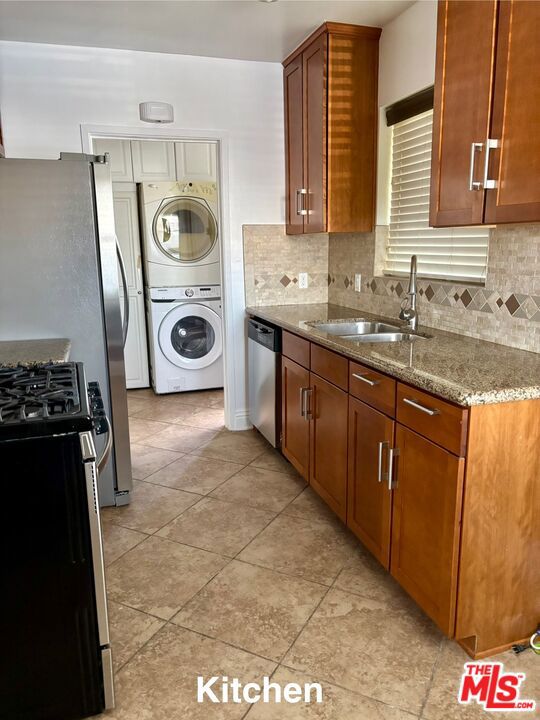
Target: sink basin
[[382, 336], [353, 329]]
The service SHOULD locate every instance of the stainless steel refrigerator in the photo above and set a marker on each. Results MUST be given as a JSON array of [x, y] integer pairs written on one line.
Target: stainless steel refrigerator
[[59, 277]]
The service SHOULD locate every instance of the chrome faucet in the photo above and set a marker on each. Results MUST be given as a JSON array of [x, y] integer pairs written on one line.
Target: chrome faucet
[[408, 306]]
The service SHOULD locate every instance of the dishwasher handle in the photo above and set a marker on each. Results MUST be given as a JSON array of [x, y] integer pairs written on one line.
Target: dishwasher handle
[[265, 334]]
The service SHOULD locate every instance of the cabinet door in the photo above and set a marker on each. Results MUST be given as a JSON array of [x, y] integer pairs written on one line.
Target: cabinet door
[[426, 525], [369, 504], [314, 90], [294, 169], [196, 161], [515, 164], [295, 425], [120, 157], [153, 160], [328, 410], [466, 36]]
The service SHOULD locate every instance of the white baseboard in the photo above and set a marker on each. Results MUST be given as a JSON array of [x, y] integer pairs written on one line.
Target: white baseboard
[[241, 421]]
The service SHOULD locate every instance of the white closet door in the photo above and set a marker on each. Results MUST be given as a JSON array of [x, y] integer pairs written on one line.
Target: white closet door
[[120, 152], [127, 231], [152, 160], [196, 161]]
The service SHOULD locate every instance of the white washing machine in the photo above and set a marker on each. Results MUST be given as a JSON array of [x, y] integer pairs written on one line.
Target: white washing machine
[[186, 338], [180, 233]]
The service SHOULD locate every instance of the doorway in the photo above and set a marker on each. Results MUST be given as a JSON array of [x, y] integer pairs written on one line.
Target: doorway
[[145, 160]]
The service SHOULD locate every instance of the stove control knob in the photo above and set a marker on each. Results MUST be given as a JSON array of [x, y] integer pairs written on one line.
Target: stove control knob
[[189, 292]]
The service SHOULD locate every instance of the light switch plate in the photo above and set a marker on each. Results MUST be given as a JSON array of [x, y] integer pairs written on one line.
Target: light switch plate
[[302, 280], [357, 282]]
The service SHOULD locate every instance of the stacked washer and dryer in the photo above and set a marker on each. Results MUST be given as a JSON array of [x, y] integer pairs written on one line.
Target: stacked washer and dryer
[[181, 245]]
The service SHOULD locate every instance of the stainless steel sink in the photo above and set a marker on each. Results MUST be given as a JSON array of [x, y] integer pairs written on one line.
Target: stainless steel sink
[[358, 327], [383, 337]]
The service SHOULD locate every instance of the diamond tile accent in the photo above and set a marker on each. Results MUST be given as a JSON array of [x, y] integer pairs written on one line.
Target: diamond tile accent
[[285, 281], [429, 293], [512, 304], [466, 298], [500, 302], [399, 289]]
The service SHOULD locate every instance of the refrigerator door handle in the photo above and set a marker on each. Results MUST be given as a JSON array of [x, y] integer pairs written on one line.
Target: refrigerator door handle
[[122, 265]]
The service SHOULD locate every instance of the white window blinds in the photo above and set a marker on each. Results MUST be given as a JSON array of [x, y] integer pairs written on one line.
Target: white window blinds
[[458, 254]]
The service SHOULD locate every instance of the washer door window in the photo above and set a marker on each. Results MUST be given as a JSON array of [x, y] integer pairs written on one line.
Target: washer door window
[[185, 229], [190, 336]]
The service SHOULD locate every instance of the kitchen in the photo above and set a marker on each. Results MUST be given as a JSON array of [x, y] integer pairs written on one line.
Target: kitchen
[[368, 532]]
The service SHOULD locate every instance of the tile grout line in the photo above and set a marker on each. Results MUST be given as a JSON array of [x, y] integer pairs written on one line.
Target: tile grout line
[[431, 678]]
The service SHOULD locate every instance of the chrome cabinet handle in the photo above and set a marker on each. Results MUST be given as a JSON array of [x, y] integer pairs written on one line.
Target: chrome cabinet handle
[[474, 184], [366, 380], [422, 408], [490, 145], [309, 411], [394, 452], [303, 402], [383, 445], [300, 194]]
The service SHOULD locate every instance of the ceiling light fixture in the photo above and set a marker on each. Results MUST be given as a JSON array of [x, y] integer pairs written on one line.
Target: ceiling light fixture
[[267, 1]]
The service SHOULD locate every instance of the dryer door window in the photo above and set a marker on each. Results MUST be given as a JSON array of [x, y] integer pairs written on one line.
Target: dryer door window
[[185, 229], [190, 336], [193, 337]]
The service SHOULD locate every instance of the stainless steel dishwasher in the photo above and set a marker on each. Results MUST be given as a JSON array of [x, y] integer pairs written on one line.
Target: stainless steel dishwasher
[[264, 374]]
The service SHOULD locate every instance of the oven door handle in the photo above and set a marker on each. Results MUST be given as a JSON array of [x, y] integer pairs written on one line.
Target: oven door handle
[[105, 455]]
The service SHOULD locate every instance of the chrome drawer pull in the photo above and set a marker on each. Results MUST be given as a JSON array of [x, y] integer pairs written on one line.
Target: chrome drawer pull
[[422, 408], [366, 380]]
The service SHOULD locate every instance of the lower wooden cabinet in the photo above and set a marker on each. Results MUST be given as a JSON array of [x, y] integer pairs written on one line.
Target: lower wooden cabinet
[[420, 517], [369, 503], [426, 525], [295, 423], [328, 408]]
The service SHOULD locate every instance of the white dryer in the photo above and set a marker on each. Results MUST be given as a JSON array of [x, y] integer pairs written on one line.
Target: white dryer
[[180, 233], [186, 338]]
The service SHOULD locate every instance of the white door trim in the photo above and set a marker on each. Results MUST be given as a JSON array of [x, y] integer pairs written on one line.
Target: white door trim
[[88, 132]]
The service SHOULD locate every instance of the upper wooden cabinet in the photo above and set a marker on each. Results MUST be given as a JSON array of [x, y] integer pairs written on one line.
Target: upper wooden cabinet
[[330, 88], [486, 155]]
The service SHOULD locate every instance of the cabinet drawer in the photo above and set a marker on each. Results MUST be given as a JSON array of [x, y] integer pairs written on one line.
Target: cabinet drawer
[[436, 419], [330, 366], [373, 388], [296, 348]]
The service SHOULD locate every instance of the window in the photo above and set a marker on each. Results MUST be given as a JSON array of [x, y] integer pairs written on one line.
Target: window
[[458, 254]]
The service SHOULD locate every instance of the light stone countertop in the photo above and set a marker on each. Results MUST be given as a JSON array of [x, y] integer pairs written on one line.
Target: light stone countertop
[[461, 369], [33, 352]]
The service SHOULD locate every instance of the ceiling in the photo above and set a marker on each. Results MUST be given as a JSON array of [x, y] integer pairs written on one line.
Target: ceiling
[[241, 29]]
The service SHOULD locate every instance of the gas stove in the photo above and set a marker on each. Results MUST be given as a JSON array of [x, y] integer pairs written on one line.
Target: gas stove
[[48, 399]]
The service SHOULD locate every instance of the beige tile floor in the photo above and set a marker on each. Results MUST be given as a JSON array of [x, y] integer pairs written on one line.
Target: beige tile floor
[[225, 563]]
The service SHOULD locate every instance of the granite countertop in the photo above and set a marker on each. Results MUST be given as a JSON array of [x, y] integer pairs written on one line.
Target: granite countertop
[[461, 369], [33, 352]]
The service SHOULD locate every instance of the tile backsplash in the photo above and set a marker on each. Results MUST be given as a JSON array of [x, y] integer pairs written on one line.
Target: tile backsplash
[[506, 310], [273, 261]]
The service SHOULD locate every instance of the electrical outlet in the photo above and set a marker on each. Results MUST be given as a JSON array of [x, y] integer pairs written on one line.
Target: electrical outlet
[[357, 282], [302, 281]]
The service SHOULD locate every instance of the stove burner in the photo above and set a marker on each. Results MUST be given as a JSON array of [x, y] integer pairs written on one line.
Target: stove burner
[[39, 392]]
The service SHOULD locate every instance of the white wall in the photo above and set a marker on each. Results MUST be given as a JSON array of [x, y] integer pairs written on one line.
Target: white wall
[[407, 52], [47, 92], [406, 65]]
